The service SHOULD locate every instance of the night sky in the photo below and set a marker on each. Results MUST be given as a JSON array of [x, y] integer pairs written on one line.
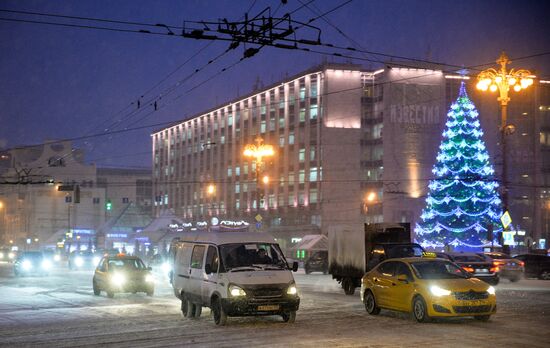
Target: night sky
[[60, 82]]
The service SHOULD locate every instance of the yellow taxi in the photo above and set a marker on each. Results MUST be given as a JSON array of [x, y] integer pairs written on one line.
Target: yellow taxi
[[427, 287]]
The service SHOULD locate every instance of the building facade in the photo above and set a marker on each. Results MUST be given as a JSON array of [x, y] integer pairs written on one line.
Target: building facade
[[352, 146], [50, 197]]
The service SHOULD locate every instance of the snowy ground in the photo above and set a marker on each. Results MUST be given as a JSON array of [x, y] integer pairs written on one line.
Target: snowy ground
[[61, 311]]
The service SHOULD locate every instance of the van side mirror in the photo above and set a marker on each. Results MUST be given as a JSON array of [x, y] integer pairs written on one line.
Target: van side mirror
[[208, 268], [295, 266]]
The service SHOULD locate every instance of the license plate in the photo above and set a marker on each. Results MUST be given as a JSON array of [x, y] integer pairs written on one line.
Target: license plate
[[266, 308], [482, 270]]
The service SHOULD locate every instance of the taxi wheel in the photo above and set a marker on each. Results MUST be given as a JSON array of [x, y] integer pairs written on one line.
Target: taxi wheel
[[482, 317], [420, 311], [97, 291], [289, 316], [370, 304], [220, 317]]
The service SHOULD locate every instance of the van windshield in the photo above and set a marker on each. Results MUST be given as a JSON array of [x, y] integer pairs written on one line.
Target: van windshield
[[254, 255]]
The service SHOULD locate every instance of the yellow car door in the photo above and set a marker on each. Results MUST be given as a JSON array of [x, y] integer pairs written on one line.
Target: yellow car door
[[402, 289], [382, 282]]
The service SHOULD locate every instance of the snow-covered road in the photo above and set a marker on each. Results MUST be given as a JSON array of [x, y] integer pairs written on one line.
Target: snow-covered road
[[61, 310]]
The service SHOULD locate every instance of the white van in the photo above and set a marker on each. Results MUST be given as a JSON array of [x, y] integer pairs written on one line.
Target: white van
[[234, 274]]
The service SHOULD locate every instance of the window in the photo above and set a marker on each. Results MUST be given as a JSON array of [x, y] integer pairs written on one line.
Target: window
[[313, 174], [313, 111], [237, 188], [229, 171], [301, 176], [212, 258], [237, 171], [291, 138], [387, 269], [197, 256], [301, 198], [291, 199], [262, 127], [302, 115], [302, 155], [403, 269], [95, 200], [313, 89], [290, 178], [125, 200], [282, 141], [313, 196], [229, 120], [281, 122], [302, 93]]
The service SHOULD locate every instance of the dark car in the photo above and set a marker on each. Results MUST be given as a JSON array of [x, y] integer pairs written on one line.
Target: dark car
[[317, 262], [122, 274], [7, 255], [384, 251], [536, 266], [508, 267], [83, 260], [477, 265], [31, 262]]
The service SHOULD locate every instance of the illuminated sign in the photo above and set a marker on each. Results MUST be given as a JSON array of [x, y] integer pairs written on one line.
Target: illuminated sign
[[117, 235], [233, 223]]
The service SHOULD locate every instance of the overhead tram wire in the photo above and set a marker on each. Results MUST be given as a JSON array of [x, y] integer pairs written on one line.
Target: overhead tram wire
[[174, 122]]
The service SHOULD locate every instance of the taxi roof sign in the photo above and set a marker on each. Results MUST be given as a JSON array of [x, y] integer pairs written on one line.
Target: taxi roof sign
[[429, 254], [506, 219]]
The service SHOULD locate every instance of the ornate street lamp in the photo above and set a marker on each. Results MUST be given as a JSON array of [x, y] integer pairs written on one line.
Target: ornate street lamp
[[258, 152], [502, 80]]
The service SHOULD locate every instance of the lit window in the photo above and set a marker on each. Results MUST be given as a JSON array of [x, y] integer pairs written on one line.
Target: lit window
[[302, 115], [262, 127], [313, 110], [291, 138], [313, 196], [229, 171], [237, 188], [313, 174], [302, 155], [301, 176], [282, 140]]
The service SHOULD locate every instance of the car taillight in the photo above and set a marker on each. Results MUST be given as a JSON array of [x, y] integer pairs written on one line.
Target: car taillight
[[468, 269], [497, 263], [494, 269], [521, 263]]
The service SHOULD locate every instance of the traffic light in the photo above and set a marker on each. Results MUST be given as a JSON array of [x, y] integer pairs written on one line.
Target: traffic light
[[108, 205]]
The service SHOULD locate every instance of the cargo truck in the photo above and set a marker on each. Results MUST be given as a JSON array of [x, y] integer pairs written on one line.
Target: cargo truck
[[354, 251]]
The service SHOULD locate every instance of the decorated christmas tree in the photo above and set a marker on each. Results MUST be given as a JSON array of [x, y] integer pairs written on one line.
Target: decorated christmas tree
[[462, 204]]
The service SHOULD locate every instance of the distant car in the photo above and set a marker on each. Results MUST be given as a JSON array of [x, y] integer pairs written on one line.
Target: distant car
[[508, 267], [115, 274], [31, 262], [7, 255], [427, 287], [536, 266], [477, 265], [318, 262], [79, 260]]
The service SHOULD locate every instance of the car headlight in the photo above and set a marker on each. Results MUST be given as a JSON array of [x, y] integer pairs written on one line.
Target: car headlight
[[2, 255], [46, 264], [96, 260], [149, 278], [236, 291], [57, 257], [437, 291], [491, 290], [78, 261], [11, 255], [166, 267], [118, 279], [292, 290], [26, 264]]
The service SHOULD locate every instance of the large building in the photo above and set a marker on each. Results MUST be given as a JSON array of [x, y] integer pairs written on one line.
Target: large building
[[39, 203], [352, 146]]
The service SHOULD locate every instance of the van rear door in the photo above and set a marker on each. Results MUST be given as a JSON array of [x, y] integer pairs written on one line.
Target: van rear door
[[196, 273]]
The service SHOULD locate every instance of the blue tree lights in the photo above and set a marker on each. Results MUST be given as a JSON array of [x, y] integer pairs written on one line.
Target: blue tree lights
[[462, 200]]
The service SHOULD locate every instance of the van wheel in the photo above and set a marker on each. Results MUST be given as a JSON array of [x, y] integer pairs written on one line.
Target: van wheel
[[198, 311], [348, 286], [190, 309], [370, 303], [289, 317], [183, 306], [220, 317]]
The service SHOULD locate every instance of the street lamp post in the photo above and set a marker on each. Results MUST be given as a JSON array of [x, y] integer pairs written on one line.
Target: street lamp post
[[502, 80], [258, 152]]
